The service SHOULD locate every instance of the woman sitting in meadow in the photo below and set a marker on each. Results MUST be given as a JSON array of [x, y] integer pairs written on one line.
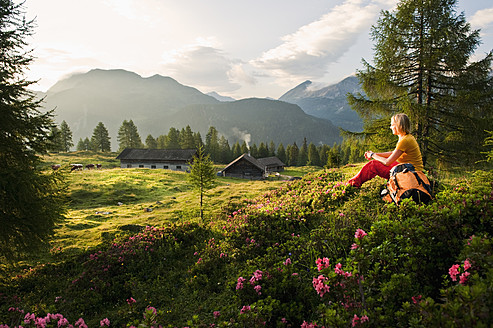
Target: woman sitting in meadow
[[406, 151]]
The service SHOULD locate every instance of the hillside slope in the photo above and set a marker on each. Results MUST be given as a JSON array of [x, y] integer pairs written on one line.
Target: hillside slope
[[157, 103]]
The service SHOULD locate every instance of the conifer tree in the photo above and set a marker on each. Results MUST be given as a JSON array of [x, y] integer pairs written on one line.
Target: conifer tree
[[212, 143], [202, 175], [128, 136], [100, 140], [236, 150], [84, 144], [293, 154], [187, 140], [55, 144], [151, 143], [244, 148], [272, 148], [303, 154], [31, 201], [263, 151], [173, 139], [313, 158], [423, 67], [66, 137], [224, 150], [323, 153], [281, 154]]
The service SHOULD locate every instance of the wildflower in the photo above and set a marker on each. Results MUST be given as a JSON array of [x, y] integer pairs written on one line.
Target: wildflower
[[355, 321], [320, 286], [80, 323], [354, 246], [245, 309], [104, 322], [257, 289], [308, 325], [416, 299], [337, 269], [131, 301], [454, 271], [463, 278], [288, 261], [467, 264], [62, 322], [360, 233], [240, 282], [322, 263], [217, 314]]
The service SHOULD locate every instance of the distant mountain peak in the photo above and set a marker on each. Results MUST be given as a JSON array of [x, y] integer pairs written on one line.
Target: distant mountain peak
[[219, 97], [329, 102]]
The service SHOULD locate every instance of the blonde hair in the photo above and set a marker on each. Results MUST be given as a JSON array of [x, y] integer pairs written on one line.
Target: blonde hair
[[402, 122]]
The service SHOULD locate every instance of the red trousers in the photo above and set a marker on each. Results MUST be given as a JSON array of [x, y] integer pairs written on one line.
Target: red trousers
[[371, 170]]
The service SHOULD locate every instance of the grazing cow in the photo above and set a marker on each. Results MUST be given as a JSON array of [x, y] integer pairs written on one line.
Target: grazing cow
[[76, 167], [55, 167], [99, 166], [90, 166]]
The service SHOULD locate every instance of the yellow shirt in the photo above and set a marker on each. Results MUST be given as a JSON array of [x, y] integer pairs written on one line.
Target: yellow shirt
[[411, 153]]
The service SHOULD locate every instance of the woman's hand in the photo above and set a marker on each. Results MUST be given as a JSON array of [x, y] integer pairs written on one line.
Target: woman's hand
[[369, 154]]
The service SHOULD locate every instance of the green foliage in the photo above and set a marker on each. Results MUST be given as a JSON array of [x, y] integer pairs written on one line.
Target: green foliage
[[100, 140], [422, 67], [202, 175], [128, 136], [31, 201], [313, 251]]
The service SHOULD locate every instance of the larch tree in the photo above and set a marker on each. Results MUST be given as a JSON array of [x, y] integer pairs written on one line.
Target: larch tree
[[422, 66], [202, 175], [128, 136], [31, 201]]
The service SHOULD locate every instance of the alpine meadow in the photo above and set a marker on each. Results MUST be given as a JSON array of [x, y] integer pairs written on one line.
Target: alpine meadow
[[254, 224]]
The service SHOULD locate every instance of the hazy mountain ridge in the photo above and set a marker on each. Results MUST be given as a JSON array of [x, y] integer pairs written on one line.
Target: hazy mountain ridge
[[328, 102], [157, 103]]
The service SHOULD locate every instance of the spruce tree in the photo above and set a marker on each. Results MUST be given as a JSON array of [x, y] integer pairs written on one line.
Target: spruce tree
[[212, 143], [100, 140], [281, 153], [423, 67], [151, 143], [313, 158], [66, 137], [31, 201], [173, 139], [187, 140]]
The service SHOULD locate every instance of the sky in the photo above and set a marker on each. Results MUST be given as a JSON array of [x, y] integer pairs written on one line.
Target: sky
[[241, 49]]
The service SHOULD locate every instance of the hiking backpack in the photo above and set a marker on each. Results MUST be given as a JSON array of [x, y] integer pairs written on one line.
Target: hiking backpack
[[406, 182]]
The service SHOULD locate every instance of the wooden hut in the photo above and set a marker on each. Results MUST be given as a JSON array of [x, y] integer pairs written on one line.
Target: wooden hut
[[171, 159]]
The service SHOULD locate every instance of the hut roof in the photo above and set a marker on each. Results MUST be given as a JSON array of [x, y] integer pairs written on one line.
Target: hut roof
[[157, 154]]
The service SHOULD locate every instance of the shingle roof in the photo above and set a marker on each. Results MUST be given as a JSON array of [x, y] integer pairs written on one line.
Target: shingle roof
[[157, 154], [248, 158], [266, 161]]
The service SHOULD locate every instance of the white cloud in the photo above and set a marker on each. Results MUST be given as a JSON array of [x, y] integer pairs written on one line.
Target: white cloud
[[204, 66], [308, 52], [482, 18]]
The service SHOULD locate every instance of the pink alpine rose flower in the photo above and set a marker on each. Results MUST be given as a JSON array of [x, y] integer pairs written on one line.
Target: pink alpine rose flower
[[360, 233]]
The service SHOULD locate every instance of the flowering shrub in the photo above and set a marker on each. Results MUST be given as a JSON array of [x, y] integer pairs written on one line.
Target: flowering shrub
[[315, 253]]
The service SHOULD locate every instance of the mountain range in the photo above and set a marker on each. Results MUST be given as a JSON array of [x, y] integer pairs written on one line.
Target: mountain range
[[328, 102], [157, 103]]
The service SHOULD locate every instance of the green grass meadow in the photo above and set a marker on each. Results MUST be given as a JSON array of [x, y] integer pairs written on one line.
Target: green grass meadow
[[108, 201]]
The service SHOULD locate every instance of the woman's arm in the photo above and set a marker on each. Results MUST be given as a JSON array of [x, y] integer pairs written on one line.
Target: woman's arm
[[387, 158]]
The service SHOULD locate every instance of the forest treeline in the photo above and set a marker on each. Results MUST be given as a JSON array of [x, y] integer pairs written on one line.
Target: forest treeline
[[215, 145]]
